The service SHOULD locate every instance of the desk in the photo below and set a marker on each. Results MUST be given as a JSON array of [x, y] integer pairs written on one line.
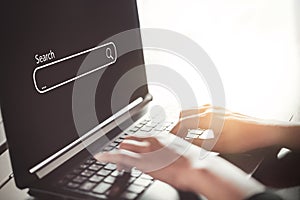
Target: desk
[[10, 191]]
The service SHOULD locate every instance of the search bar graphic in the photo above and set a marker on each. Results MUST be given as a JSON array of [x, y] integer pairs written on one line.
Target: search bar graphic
[[60, 72]]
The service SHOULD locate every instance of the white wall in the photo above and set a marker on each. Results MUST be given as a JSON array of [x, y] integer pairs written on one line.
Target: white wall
[[252, 42]]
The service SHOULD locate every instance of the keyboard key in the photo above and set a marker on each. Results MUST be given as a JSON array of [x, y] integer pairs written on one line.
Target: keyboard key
[[114, 144], [110, 166], [110, 179], [191, 135], [96, 179], [134, 129], [151, 125], [131, 179], [123, 136], [66, 179], [135, 172], [168, 123], [101, 188], [144, 122], [70, 176], [87, 186], [129, 195], [79, 179], [160, 128], [139, 125], [169, 128], [83, 166], [101, 196], [90, 161], [136, 188], [142, 182], [76, 171], [87, 173], [146, 176], [155, 132], [100, 163], [115, 173], [146, 129], [108, 148], [104, 172], [95, 167], [72, 185], [63, 181], [196, 131], [119, 140]]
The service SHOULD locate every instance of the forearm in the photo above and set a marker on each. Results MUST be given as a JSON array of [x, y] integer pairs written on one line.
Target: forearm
[[259, 134], [289, 136], [213, 187], [216, 178]]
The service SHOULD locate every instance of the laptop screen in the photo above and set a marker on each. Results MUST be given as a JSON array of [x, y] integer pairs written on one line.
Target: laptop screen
[[44, 45]]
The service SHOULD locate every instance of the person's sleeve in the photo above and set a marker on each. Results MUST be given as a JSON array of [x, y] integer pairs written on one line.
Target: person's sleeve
[[265, 196]]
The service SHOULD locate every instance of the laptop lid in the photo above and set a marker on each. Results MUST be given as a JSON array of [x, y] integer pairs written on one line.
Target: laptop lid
[[36, 100]]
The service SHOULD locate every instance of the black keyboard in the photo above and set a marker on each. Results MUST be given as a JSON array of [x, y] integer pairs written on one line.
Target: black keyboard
[[103, 180]]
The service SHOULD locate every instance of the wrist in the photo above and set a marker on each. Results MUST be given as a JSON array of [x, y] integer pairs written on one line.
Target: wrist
[[204, 182], [288, 136], [265, 135], [186, 179], [193, 180]]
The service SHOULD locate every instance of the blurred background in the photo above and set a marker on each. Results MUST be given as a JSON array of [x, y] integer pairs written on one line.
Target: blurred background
[[253, 43]]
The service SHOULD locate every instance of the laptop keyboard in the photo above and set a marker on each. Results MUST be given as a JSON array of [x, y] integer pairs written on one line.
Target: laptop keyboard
[[103, 180]]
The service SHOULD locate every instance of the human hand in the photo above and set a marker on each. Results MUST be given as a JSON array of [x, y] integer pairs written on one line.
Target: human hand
[[212, 176], [234, 132], [149, 155]]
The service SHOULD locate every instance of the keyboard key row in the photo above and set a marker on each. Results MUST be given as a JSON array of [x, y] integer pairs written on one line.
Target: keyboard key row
[[98, 177]]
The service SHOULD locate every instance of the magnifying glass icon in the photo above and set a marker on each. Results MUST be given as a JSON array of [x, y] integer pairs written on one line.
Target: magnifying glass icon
[[109, 53]]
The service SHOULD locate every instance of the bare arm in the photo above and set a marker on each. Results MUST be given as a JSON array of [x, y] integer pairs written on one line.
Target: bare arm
[[289, 135], [239, 132]]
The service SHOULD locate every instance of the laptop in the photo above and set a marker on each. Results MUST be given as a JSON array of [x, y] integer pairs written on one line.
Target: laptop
[[45, 43]]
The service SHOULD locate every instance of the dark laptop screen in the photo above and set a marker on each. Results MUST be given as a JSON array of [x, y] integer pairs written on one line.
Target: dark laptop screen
[[37, 107]]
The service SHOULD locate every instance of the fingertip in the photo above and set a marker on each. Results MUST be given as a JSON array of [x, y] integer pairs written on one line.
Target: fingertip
[[124, 168], [102, 156], [131, 137], [123, 144], [107, 154]]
